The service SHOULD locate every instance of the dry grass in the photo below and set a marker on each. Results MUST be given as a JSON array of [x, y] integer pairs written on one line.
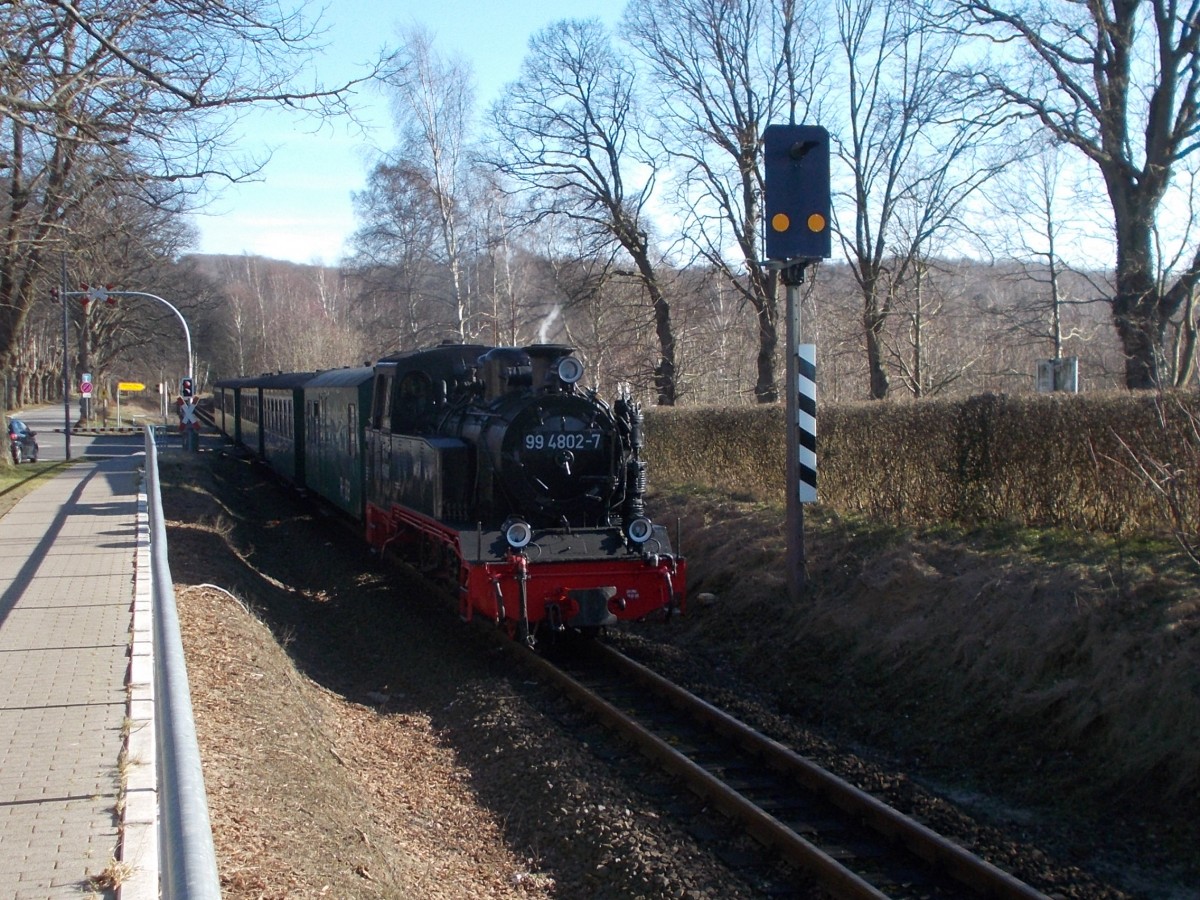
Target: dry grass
[[17, 481], [112, 877]]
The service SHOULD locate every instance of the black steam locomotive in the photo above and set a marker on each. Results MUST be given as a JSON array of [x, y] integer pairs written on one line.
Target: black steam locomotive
[[489, 466]]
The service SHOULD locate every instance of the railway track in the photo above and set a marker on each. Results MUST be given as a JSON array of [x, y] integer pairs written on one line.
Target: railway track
[[852, 843]]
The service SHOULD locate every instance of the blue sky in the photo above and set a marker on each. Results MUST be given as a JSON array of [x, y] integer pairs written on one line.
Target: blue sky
[[300, 208]]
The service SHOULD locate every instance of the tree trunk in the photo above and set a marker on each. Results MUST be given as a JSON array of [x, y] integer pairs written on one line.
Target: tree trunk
[[637, 246], [873, 331], [1141, 341], [664, 372], [1185, 351], [765, 388], [1137, 307], [1140, 310]]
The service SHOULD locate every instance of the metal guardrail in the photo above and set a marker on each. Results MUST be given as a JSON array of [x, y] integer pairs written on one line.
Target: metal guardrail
[[187, 860]]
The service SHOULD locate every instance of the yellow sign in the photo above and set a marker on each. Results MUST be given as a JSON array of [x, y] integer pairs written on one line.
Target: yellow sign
[[130, 386]]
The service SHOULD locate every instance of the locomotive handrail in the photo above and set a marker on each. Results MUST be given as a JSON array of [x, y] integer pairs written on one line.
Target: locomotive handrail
[[187, 860]]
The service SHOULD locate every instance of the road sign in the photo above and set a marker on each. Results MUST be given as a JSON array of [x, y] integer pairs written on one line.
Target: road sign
[[130, 386], [187, 414], [85, 388]]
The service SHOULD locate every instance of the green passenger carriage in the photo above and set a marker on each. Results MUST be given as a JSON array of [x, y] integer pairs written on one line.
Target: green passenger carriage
[[337, 404]]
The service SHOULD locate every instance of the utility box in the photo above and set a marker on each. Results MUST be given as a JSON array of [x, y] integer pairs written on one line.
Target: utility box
[[1058, 375]]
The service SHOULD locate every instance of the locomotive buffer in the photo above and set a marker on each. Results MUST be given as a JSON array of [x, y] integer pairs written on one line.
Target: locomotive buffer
[[797, 211]]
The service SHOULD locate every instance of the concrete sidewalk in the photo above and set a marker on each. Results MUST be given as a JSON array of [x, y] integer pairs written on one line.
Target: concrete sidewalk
[[67, 566]]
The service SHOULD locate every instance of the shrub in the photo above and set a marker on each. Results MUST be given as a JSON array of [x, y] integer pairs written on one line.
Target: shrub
[[1111, 462]]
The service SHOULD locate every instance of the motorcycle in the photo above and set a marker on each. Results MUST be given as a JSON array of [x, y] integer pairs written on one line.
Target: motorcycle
[[22, 442]]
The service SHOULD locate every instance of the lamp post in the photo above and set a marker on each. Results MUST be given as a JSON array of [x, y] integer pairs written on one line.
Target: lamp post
[[62, 290], [187, 334]]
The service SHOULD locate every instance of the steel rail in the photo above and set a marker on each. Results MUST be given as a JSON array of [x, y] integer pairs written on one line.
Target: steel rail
[[764, 826], [962, 865], [942, 854]]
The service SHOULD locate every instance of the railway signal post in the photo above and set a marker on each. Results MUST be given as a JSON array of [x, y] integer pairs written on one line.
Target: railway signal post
[[797, 208]]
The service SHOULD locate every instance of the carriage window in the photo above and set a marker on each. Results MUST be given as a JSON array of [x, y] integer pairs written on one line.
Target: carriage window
[[414, 400], [383, 387]]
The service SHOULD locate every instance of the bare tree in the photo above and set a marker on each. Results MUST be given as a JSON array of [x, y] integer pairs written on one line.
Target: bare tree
[[1180, 340], [724, 71], [564, 134], [395, 262], [129, 98], [125, 243], [1120, 82], [504, 267], [432, 108], [600, 314], [1186, 329], [914, 158], [930, 350], [1042, 216]]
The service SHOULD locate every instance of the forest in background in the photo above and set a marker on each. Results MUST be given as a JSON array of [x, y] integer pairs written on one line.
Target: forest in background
[[977, 328]]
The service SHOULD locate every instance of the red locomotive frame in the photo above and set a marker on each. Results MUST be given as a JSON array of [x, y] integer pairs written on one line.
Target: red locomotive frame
[[519, 587]]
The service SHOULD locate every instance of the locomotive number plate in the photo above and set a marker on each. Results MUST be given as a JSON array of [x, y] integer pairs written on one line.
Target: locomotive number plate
[[563, 440]]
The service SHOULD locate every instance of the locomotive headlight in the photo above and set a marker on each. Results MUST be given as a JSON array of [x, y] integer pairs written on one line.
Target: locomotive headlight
[[518, 533], [570, 370], [639, 529]]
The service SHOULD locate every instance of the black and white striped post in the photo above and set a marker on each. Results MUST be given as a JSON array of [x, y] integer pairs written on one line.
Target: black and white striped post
[[797, 209], [806, 422], [802, 432]]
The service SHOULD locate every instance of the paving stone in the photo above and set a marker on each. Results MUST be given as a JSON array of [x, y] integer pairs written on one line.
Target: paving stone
[[67, 554]]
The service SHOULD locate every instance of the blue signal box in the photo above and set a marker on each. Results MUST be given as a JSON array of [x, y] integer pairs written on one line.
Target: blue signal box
[[797, 202]]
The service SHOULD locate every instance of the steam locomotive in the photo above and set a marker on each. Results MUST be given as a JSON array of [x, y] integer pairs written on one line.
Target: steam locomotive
[[488, 466]]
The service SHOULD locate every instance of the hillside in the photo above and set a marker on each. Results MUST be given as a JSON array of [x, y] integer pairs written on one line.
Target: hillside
[[1019, 688]]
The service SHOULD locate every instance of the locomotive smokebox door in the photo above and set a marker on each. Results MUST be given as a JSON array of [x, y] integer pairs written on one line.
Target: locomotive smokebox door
[[557, 461]]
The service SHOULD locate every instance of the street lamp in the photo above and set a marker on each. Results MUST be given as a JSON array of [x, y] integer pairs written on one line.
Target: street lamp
[[102, 294], [190, 373]]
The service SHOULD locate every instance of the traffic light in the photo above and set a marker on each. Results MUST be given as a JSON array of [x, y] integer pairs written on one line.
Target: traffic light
[[186, 388], [797, 204]]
